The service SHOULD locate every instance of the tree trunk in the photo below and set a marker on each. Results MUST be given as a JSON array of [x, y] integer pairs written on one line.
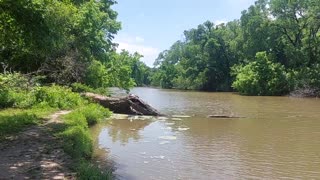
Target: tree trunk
[[131, 104]]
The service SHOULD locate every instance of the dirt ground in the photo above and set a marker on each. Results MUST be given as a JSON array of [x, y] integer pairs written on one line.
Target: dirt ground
[[35, 154]]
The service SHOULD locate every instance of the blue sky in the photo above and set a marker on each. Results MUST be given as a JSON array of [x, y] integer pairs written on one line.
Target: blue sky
[[151, 26]]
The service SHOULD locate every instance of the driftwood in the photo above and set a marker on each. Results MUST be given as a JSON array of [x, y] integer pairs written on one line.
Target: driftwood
[[223, 116], [131, 104]]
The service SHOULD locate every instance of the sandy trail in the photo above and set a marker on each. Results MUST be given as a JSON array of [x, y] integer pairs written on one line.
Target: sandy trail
[[35, 154]]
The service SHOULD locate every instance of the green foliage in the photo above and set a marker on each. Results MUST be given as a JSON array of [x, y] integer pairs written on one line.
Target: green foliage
[[13, 120], [76, 136], [261, 77], [288, 31], [89, 171], [121, 69], [80, 88], [68, 41], [308, 77], [305, 82], [14, 123], [58, 97], [94, 113], [77, 141], [97, 75], [201, 62], [36, 30], [5, 99], [16, 90]]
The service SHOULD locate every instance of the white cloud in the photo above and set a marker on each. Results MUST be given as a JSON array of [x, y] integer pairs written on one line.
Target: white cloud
[[136, 44], [139, 39]]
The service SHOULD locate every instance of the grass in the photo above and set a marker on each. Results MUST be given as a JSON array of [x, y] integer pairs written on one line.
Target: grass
[[88, 171], [78, 142], [14, 120], [30, 107]]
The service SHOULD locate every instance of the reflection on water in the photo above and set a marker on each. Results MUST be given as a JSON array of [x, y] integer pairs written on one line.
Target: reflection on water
[[278, 138], [124, 130]]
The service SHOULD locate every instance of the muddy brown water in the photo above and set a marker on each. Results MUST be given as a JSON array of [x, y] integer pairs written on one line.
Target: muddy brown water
[[279, 137]]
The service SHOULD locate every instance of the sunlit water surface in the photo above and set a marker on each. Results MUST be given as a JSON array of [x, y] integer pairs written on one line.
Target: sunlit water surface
[[277, 137]]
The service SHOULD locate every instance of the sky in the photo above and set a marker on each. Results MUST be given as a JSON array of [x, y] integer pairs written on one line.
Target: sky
[[152, 26]]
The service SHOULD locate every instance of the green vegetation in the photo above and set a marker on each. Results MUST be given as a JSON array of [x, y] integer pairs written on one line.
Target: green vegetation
[[261, 77], [66, 42], [50, 51], [77, 139], [88, 171], [29, 104], [273, 49], [14, 120]]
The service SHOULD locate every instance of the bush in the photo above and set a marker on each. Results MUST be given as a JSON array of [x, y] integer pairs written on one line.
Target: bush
[[89, 171], [5, 100], [16, 81], [94, 113], [13, 87], [58, 97], [76, 136], [305, 82], [80, 88], [75, 118], [77, 141], [261, 77], [96, 75]]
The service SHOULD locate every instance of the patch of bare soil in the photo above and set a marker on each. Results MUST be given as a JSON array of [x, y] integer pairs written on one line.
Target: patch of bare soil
[[35, 154]]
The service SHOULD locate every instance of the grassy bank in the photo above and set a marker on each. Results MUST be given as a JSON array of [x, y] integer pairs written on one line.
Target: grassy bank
[[23, 104], [14, 120], [78, 142]]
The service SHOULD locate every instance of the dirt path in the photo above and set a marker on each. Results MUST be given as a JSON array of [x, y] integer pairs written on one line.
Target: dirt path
[[35, 154]]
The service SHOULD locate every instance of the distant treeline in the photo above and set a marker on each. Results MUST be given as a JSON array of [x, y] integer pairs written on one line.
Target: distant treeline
[[273, 49]]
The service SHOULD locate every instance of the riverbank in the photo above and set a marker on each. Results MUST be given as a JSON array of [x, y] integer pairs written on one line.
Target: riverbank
[[58, 146], [36, 145], [34, 153]]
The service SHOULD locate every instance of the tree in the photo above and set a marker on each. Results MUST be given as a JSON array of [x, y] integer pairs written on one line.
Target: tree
[[261, 77]]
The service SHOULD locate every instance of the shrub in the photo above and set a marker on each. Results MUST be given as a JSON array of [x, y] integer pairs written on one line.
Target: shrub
[[261, 77], [5, 100], [12, 87], [305, 82], [77, 141], [94, 113], [89, 171], [58, 97], [80, 88], [76, 136], [75, 118], [15, 81], [96, 75]]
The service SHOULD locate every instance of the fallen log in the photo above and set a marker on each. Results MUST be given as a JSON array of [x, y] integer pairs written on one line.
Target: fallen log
[[223, 116], [131, 104]]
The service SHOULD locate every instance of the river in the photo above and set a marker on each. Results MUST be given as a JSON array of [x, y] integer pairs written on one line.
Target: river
[[277, 137]]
